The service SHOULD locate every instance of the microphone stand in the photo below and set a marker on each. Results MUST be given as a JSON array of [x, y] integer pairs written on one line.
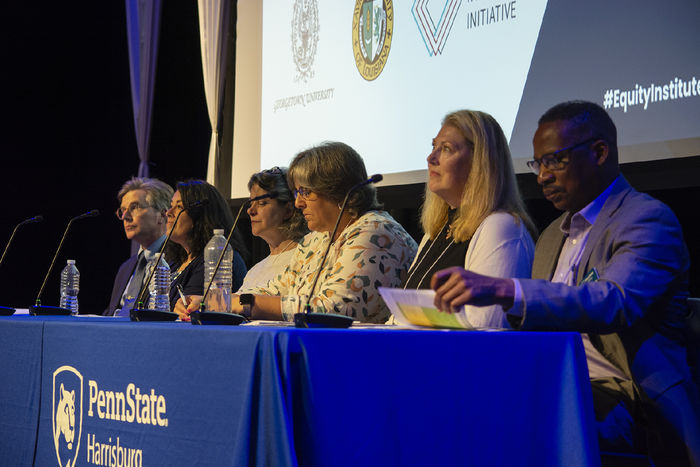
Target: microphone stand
[[42, 310], [309, 319], [216, 317], [5, 310], [145, 314]]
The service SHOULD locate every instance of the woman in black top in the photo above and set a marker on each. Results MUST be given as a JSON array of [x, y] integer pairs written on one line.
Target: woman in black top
[[192, 233]]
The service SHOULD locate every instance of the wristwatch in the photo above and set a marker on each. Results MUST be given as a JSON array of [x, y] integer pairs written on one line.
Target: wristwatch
[[246, 300]]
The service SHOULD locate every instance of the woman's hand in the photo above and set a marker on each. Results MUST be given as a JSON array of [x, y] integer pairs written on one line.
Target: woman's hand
[[193, 302], [236, 306]]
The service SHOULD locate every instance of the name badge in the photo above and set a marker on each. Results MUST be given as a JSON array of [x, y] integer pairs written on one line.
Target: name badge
[[591, 276]]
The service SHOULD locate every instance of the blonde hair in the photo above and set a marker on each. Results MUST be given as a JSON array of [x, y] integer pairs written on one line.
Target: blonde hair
[[490, 187]]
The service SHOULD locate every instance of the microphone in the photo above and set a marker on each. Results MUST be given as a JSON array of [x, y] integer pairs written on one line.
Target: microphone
[[31, 220], [38, 309], [92, 213], [196, 207], [215, 317], [8, 311], [376, 178], [309, 319], [144, 314]]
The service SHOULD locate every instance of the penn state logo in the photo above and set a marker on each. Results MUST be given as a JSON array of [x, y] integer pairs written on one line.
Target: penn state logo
[[67, 415], [304, 37], [372, 30]]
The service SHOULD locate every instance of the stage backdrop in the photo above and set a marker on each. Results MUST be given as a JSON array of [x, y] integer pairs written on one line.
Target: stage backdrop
[[380, 75]]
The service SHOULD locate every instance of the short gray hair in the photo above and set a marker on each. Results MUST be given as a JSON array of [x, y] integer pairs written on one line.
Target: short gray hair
[[330, 170], [158, 193]]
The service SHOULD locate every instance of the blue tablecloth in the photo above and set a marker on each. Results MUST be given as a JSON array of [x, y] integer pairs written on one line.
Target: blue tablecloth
[[176, 394], [20, 381]]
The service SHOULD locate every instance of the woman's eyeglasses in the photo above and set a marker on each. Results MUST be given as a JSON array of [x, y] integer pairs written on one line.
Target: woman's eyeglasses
[[303, 192]]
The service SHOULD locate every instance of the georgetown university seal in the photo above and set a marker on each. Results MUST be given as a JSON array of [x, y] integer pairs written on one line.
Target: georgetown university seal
[[304, 37]]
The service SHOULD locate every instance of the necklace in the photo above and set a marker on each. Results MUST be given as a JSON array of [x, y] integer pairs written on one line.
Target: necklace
[[340, 232], [426, 254], [283, 248], [276, 256], [175, 274], [184, 265]]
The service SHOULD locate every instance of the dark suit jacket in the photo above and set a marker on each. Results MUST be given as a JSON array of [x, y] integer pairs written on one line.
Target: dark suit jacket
[[635, 312], [120, 282]]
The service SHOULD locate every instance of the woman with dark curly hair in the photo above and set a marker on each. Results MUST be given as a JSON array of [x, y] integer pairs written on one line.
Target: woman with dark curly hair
[[192, 233], [276, 221]]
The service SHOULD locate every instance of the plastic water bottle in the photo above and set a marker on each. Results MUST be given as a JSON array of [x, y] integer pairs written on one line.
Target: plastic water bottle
[[159, 287], [70, 286], [219, 297]]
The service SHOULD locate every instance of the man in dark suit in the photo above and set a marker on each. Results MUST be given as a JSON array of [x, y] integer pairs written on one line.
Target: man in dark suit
[[614, 267], [142, 206]]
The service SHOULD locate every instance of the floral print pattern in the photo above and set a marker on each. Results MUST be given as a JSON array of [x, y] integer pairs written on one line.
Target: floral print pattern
[[374, 251]]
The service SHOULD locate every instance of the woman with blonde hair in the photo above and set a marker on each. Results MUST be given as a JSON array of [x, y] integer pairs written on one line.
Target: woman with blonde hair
[[473, 215]]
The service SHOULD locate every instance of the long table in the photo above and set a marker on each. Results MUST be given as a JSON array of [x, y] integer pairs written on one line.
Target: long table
[[177, 394]]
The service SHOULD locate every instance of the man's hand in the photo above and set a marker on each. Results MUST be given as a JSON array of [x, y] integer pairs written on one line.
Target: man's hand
[[455, 287]]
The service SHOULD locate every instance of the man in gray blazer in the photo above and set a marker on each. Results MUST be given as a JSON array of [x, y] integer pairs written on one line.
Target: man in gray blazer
[[614, 267], [142, 206]]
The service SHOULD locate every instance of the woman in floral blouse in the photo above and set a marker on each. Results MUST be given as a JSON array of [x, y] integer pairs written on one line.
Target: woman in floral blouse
[[369, 250]]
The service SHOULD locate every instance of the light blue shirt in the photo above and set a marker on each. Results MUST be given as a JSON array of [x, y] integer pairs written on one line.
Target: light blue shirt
[[576, 229], [150, 253]]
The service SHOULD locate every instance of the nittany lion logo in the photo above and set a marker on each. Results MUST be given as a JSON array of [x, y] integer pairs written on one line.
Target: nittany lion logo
[[67, 415]]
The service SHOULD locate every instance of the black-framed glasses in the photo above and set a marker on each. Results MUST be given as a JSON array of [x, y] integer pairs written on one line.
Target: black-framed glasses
[[556, 160], [303, 192], [121, 212]]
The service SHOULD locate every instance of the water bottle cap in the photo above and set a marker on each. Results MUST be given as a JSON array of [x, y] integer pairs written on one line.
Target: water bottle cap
[[218, 231], [71, 261]]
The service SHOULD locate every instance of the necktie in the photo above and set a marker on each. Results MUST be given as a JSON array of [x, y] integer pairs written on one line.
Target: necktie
[[129, 297]]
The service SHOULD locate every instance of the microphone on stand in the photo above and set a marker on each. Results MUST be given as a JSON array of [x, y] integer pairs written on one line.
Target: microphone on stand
[[309, 319], [31, 220], [4, 310], [216, 317], [144, 314], [38, 309]]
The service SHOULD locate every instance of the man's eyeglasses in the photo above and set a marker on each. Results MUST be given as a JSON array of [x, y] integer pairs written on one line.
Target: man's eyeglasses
[[121, 212], [556, 160], [303, 192]]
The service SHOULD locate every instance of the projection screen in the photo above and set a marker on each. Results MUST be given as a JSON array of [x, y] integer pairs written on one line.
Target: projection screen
[[380, 75]]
